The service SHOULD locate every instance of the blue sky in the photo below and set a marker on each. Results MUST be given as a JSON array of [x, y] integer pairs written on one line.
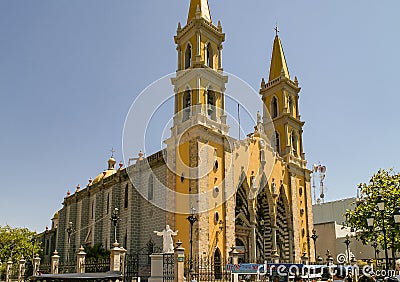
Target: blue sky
[[69, 71]]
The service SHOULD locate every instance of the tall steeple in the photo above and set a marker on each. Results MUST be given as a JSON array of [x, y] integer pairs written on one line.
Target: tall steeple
[[281, 99], [200, 83], [278, 61], [199, 8]]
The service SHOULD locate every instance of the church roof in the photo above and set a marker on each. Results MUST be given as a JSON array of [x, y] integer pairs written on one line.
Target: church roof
[[278, 61], [110, 171], [200, 7]]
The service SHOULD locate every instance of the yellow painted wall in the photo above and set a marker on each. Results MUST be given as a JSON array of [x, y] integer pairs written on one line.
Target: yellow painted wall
[[181, 224]]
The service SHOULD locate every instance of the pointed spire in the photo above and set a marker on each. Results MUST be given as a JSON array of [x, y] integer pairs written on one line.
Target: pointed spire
[[219, 26], [278, 62], [199, 9]]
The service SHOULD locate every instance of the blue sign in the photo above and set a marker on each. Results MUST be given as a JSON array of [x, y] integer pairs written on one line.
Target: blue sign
[[245, 268]]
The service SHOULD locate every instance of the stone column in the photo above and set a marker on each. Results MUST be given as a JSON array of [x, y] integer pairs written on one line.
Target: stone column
[[274, 255], [9, 267], [157, 266], [36, 265], [253, 245], [234, 254], [55, 261], [115, 258], [80, 260], [179, 267], [21, 270]]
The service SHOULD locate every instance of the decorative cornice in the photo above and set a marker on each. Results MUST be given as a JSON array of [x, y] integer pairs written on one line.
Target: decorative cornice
[[195, 25], [280, 81]]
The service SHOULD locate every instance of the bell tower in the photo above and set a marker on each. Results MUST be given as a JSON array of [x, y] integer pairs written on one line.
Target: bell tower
[[199, 147], [280, 96], [199, 84]]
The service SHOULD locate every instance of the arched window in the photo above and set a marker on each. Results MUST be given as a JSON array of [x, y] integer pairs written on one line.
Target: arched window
[[211, 104], [108, 203], [217, 264], [92, 213], [295, 146], [126, 196], [187, 103], [150, 190], [277, 142], [209, 56], [291, 105], [188, 57], [274, 107]]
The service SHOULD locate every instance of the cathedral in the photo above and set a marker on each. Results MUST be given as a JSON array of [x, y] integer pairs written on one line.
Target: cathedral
[[253, 193]]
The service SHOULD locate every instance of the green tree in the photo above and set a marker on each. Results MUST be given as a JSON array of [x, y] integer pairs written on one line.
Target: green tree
[[386, 184], [15, 243], [96, 252]]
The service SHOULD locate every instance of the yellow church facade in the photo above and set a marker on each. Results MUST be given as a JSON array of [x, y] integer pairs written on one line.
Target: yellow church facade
[[252, 194], [262, 208]]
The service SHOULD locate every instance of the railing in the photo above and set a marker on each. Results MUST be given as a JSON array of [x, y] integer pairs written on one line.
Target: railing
[[93, 265], [45, 268], [13, 273], [206, 270], [67, 267], [168, 267]]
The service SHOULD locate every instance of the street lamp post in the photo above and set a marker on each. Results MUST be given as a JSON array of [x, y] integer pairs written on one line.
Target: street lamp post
[[115, 218], [12, 245], [70, 229], [192, 219], [370, 221], [347, 242], [396, 217], [375, 246], [33, 241], [314, 236]]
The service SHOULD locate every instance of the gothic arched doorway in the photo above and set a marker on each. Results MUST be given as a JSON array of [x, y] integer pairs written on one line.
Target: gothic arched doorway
[[217, 264], [243, 226], [282, 231], [264, 227]]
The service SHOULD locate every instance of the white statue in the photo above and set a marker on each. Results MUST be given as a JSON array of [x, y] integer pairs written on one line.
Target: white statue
[[168, 243]]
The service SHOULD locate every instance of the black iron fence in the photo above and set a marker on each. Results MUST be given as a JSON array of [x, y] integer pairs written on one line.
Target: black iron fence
[[45, 268], [93, 265], [13, 272], [168, 267], [206, 270], [138, 264], [131, 270]]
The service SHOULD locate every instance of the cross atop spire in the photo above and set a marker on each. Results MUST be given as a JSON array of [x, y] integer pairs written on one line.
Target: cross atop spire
[[276, 29], [112, 152], [199, 8]]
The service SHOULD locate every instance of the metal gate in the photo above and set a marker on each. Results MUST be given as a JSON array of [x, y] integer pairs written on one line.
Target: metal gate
[[168, 267], [138, 264], [207, 270], [131, 270]]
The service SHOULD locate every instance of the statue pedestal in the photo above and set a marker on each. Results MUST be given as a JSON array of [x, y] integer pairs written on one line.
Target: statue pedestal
[[157, 268]]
